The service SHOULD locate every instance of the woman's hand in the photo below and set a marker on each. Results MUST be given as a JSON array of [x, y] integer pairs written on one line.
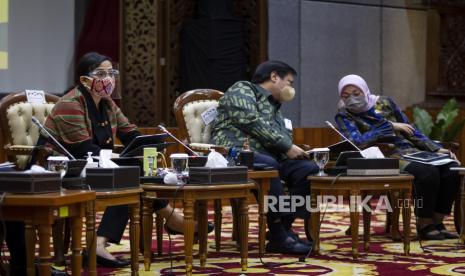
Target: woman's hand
[[451, 154], [405, 128]]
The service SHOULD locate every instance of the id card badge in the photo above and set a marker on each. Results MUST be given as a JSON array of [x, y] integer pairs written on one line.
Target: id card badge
[[288, 124]]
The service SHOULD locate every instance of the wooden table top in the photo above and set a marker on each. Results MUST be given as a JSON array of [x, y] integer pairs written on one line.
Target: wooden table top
[[377, 178], [212, 187], [262, 174], [49, 199], [118, 193]]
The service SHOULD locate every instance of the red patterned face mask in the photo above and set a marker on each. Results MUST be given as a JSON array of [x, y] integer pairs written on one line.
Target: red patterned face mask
[[103, 87]]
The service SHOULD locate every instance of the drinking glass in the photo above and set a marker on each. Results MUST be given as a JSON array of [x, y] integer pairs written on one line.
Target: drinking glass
[[58, 164], [179, 164], [321, 158]]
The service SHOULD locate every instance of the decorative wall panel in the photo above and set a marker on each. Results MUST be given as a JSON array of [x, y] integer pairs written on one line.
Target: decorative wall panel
[[139, 62]]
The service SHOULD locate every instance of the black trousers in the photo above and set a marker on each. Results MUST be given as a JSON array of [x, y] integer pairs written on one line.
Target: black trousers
[[16, 241], [115, 218], [436, 186], [294, 173]]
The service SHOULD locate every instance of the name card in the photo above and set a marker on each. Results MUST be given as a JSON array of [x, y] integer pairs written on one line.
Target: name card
[[35, 96], [209, 115]]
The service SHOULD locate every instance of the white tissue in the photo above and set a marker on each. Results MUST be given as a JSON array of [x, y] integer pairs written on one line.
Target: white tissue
[[105, 159], [372, 152], [37, 169], [216, 160], [170, 178]]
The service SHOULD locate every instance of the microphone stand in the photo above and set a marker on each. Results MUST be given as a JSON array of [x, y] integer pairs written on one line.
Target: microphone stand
[[42, 128], [177, 140]]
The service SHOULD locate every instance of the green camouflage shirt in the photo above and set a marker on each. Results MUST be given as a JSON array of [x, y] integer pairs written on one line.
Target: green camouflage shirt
[[248, 110]]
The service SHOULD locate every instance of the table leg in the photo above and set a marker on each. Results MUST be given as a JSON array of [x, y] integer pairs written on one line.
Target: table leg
[[354, 218], [188, 232], [366, 227], [159, 221], [147, 226], [91, 239], [218, 218], [76, 233], [134, 236], [243, 233], [462, 215], [314, 222], [45, 232], [263, 189], [202, 231], [395, 233], [406, 214], [30, 234]]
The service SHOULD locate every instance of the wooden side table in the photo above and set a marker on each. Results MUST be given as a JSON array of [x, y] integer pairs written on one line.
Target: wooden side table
[[360, 186], [130, 197], [189, 194], [41, 210]]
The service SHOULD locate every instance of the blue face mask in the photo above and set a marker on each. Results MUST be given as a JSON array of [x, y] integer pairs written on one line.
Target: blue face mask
[[355, 103]]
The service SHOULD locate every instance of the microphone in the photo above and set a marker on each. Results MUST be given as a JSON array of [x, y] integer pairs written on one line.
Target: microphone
[[42, 128], [177, 140], [342, 135]]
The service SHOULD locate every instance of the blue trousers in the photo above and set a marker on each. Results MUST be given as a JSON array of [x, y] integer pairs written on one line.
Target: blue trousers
[[294, 173]]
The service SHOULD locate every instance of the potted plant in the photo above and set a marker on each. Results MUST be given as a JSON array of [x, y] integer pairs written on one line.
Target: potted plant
[[445, 127]]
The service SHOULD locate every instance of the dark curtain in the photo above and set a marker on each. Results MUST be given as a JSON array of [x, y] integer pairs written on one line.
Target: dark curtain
[[212, 54], [100, 32], [212, 47]]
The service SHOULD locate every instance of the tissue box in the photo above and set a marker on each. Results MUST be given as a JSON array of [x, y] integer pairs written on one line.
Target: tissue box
[[29, 183], [228, 175], [74, 183], [124, 177]]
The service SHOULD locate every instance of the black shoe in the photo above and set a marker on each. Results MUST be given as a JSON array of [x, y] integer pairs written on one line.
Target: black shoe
[[426, 233], [288, 246], [448, 235], [210, 228], [56, 272], [295, 236], [117, 263]]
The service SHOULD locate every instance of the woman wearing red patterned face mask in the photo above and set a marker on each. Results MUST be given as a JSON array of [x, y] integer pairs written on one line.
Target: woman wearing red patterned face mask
[[87, 120]]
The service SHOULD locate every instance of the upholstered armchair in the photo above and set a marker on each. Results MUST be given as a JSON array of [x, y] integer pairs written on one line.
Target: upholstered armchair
[[188, 108], [19, 134]]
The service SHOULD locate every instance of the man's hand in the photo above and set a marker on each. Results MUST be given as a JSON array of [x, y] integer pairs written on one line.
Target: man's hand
[[405, 128], [296, 153]]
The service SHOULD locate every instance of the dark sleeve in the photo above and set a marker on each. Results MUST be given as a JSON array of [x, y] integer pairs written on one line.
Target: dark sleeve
[[419, 139], [349, 128]]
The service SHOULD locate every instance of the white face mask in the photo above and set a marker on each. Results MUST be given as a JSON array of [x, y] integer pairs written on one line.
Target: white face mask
[[355, 103], [287, 93]]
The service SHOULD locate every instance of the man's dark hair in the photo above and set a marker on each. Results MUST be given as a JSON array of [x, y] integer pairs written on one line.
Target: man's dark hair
[[89, 62], [264, 70]]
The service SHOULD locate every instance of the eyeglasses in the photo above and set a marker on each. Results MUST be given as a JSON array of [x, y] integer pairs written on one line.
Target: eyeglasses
[[103, 74]]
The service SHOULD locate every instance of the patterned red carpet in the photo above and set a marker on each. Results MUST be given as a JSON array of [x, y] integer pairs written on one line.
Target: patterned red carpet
[[384, 257]]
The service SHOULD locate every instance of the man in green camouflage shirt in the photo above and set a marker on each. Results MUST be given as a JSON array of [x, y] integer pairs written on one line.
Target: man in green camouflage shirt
[[252, 109]]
